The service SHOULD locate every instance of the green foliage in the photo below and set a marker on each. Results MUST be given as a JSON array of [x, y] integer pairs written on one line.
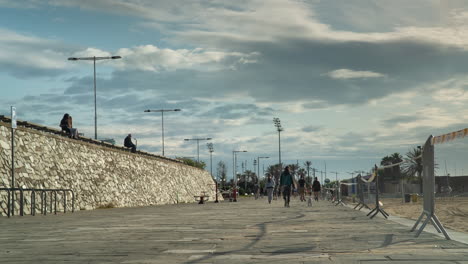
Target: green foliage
[[392, 173], [274, 171], [194, 163], [106, 206], [413, 168]]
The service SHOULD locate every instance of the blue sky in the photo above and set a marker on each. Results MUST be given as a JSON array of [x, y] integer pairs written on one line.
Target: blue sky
[[351, 81]]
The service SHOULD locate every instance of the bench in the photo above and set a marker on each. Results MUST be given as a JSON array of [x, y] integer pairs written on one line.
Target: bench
[[201, 198]]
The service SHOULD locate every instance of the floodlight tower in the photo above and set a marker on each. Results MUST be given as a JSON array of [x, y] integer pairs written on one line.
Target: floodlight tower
[[279, 128]]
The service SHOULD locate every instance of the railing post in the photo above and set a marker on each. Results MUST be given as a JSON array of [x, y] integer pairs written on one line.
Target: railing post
[[44, 202], [8, 205], [73, 201], [55, 202], [51, 202], [33, 202], [12, 202], [64, 201], [21, 202]]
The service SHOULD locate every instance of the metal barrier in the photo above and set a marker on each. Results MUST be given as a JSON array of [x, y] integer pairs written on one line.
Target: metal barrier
[[360, 188], [428, 191], [338, 200], [377, 209], [53, 201]]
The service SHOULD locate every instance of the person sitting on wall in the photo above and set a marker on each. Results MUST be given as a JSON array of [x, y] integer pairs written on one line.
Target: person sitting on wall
[[67, 125], [129, 144]]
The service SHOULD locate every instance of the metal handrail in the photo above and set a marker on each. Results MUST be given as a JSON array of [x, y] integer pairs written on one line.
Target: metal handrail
[[43, 194]]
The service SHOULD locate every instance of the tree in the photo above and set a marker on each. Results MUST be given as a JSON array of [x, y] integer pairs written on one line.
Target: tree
[[221, 173], [390, 174], [247, 181], [413, 167], [293, 169], [307, 165], [275, 172]]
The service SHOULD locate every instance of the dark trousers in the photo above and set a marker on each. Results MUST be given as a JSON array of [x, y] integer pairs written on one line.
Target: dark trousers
[[133, 147], [287, 194]]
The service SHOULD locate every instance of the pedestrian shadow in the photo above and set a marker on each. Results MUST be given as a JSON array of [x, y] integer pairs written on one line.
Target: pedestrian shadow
[[261, 234]]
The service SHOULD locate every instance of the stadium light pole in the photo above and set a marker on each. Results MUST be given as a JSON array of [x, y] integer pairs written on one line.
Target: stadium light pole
[[162, 121], [198, 145], [234, 171], [279, 128], [94, 59]]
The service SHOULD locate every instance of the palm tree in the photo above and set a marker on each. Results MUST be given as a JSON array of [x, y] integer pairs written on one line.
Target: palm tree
[[275, 172], [413, 167], [392, 173], [293, 168], [307, 164]]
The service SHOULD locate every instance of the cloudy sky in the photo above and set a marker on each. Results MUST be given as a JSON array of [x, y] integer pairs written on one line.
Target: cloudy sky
[[352, 81]]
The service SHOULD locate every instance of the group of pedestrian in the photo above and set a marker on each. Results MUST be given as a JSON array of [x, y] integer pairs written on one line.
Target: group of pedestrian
[[287, 185]]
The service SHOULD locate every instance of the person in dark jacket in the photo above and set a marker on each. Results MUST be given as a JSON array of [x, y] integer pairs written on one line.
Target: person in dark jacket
[[129, 144], [286, 181], [67, 125], [316, 188], [64, 123]]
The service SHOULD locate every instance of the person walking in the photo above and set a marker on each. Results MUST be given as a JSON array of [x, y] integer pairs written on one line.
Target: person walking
[[302, 185], [286, 182], [270, 186], [316, 188]]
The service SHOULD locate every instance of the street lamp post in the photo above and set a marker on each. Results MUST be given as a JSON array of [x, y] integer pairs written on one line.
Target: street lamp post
[[234, 170], [198, 145], [162, 121], [94, 59], [211, 150]]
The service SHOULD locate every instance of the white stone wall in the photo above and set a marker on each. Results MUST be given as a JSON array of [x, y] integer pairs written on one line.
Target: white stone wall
[[99, 176]]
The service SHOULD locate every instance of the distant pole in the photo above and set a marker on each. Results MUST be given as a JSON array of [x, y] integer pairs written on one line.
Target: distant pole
[[13, 126], [325, 169], [258, 165], [211, 150], [234, 156], [198, 145], [279, 128], [95, 100], [94, 58], [162, 121], [162, 132]]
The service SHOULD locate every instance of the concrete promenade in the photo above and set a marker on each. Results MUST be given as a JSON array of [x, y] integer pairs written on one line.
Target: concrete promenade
[[249, 231]]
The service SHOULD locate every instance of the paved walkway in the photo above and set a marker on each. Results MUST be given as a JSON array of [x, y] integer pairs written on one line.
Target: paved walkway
[[249, 231]]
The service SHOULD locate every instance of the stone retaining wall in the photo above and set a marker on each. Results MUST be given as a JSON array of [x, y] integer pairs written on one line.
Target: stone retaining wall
[[99, 176]]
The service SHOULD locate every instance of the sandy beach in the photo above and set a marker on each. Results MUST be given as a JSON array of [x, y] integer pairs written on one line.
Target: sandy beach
[[452, 212]]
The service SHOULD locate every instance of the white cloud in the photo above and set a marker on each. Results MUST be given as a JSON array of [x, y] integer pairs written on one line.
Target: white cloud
[[453, 91], [456, 96], [255, 20], [152, 58], [350, 74], [30, 52]]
